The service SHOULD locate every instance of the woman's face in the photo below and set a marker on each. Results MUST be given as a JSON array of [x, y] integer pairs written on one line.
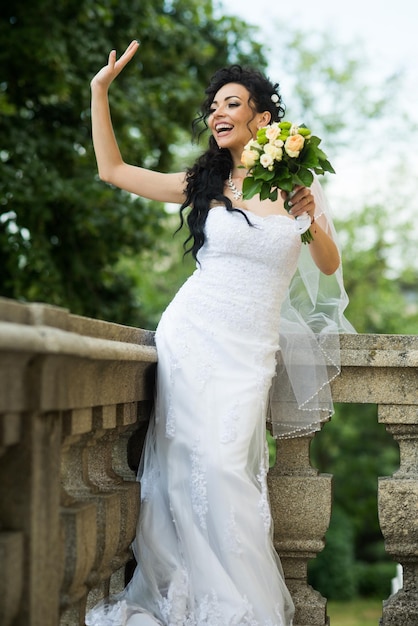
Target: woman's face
[[231, 120]]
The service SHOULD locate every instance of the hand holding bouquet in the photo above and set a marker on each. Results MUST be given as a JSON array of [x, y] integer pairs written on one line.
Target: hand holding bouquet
[[283, 156]]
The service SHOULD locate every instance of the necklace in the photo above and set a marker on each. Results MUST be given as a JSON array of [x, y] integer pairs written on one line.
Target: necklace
[[235, 191]]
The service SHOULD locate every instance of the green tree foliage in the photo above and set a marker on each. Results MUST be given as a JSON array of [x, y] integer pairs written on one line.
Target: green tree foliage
[[379, 271], [62, 232], [356, 450]]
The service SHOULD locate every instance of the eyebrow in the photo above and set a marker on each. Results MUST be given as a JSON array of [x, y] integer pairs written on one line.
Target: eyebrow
[[227, 98]]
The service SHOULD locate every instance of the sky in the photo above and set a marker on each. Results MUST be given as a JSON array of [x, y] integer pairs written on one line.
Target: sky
[[386, 30], [389, 28]]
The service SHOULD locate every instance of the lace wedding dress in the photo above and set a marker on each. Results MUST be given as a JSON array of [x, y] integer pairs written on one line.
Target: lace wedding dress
[[204, 544]]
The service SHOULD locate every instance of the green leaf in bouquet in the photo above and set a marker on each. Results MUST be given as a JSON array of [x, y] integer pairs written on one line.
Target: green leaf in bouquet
[[250, 187], [264, 174], [314, 141], [308, 157], [305, 177], [265, 191], [274, 195], [292, 165], [286, 184], [321, 154], [326, 165]]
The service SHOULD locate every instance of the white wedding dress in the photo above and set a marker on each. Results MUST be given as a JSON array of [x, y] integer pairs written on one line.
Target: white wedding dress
[[204, 539]]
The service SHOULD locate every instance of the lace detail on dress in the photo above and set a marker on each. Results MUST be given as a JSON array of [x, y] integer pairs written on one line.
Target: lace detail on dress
[[229, 425], [206, 364], [170, 426], [108, 615], [256, 264], [182, 351], [199, 486], [208, 612], [232, 541], [174, 608], [263, 504]]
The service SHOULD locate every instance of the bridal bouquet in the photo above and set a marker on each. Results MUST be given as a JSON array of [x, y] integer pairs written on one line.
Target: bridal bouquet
[[283, 156]]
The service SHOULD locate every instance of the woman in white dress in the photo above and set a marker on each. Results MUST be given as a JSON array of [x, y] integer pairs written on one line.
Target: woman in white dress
[[204, 539]]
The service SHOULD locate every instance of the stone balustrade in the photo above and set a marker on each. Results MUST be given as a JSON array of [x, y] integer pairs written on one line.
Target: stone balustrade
[[75, 399]]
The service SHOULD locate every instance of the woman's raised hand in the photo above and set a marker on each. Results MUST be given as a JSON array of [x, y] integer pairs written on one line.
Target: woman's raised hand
[[108, 73]]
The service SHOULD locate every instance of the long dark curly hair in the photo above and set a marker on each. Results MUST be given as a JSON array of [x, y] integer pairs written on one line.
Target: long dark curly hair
[[206, 178]]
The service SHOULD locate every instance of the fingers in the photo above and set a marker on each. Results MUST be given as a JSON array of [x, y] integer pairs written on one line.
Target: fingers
[[114, 66], [128, 54], [302, 202], [112, 59]]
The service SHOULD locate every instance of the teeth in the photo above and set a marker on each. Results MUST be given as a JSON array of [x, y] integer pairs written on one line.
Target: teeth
[[223, 127]]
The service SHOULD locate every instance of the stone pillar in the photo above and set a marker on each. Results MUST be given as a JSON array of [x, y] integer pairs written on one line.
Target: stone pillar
[[398, 513], [301, 508]]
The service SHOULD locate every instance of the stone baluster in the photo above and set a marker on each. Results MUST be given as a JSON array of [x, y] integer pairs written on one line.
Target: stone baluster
[[398, 513], [100, 505], [11, 533], [301, 508]]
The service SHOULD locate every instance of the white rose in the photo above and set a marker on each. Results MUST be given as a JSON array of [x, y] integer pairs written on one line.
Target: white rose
[[266, 160], [275, 152]]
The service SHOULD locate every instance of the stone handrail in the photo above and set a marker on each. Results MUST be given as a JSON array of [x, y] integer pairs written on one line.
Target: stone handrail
[[75, 399]]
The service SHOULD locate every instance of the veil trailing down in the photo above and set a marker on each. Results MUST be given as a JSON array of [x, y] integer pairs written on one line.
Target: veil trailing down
[[312, 317]]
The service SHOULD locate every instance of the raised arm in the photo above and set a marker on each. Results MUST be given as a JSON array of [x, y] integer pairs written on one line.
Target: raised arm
[[111, 166]]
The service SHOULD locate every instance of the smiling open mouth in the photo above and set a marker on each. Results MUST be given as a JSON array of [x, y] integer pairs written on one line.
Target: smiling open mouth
[[223, 128]]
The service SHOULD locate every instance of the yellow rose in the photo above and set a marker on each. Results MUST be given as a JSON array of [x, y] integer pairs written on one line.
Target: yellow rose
[[249, 158], [294, 145]]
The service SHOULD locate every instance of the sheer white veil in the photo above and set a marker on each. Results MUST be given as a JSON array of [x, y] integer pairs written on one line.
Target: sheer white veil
[[312, 317]]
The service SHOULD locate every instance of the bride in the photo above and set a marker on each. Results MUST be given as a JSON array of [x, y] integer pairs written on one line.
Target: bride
[[204, 538]]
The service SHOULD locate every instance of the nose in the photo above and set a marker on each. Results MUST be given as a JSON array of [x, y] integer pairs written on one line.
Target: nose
[[219, 111]]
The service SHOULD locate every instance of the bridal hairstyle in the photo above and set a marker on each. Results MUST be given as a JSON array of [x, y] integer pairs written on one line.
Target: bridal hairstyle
[[205, 179]]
